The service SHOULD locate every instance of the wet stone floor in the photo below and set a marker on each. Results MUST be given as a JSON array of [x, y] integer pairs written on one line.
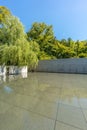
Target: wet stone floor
[[43, 101]]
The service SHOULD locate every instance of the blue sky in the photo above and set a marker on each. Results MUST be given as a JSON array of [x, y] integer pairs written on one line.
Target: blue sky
[[68, 17]]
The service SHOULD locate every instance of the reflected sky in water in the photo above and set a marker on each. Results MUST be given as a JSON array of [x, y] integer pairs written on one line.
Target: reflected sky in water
[[8, 89]]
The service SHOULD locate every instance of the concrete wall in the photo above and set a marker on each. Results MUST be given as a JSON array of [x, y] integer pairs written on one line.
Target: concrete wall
[[74, 65], [13, 70], [18, 70]]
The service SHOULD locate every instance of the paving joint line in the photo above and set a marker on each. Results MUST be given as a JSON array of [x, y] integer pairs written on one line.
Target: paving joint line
[[28, 110], [82, 112], [57, 111], [69, 125]]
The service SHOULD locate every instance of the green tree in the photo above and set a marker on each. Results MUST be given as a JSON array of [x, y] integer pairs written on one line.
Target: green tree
[[19, 54], [14, 46], [35, 47], [62, 51], [43, 35], [12, 31], [4, 13]]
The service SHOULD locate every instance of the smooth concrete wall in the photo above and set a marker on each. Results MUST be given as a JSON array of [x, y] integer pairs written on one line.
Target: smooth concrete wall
[[13, 70], [70, 65], [18, 70]]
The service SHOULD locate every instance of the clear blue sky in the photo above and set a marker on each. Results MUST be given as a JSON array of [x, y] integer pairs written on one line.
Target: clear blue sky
[[68, 17]]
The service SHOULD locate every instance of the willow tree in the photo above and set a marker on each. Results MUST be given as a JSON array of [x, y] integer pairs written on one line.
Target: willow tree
[[16, 48], [4, 13], [11, 31], [19, 55]]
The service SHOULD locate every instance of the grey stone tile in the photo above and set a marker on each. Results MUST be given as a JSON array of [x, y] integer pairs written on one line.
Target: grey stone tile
[[51, 97], [4, 107], [83, 103], [85, 113], [46, 109], [18, 119], [35, 104], [6, 92], [53, 90], [68, 100], [81, 92], [27, 102], [62, 126], [68, 91], [72, 116]]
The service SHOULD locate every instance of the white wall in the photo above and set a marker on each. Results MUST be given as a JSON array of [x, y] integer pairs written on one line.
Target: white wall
[[18, 70]]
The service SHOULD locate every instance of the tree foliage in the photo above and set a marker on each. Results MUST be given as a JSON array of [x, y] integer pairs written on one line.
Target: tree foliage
[[12, 31], [51, 48], [4, 13], [43, 35], [14, 46]]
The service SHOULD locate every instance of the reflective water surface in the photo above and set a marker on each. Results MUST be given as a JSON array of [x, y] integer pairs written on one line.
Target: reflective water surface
[[43, 101]]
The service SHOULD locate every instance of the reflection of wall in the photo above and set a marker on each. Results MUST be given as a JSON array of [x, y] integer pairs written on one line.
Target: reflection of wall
[[13, 70], [24, 74], [2, 70], [2, 78], [75, 65]]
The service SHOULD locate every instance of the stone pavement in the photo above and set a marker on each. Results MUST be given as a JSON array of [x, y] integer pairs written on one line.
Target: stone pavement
[[44, 101]]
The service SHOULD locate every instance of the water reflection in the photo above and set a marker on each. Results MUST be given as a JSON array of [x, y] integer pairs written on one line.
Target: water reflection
[[8, 89], [24, 75], [46, 95], [47, 86], [4, 78]]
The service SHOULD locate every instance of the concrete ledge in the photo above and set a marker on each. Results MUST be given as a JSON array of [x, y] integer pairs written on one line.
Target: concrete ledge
[[17, 70], [13, 70], [74, 65]]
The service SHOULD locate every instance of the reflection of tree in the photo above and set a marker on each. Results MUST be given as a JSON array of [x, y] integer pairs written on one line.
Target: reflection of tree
[[77, 88], [51, 86], [9, 78], [46, 83]]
